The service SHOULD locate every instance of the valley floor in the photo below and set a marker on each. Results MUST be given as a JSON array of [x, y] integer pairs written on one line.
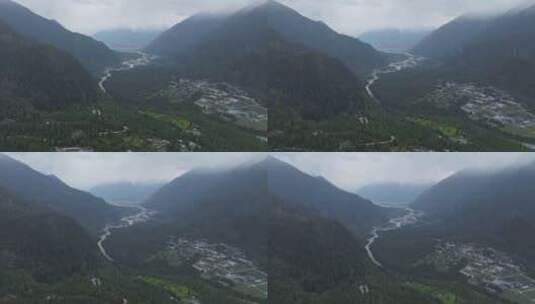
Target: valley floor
[[414, 106], [452, 271], [144, 107]]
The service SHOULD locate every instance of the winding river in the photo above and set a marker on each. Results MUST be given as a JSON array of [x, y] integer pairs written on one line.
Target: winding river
[[409, 62], [143, 59], [410, 217], [142, 216]]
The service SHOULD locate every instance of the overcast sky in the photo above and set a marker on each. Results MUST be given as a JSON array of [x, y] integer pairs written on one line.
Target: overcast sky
[[349, 171], [347, 16]]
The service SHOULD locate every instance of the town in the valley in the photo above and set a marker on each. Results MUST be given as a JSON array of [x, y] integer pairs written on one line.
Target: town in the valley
[[486, 268], [489, 105], [226, 265], [220, 99]]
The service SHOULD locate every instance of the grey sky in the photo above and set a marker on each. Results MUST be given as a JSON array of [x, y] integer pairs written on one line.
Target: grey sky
[[347, 170], [347, 16]]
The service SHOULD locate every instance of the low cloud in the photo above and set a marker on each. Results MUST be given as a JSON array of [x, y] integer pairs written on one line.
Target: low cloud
[[349, 171], [348, 16], [85, 170]]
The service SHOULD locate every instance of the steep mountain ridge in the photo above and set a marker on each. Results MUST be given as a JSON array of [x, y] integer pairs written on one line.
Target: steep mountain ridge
[[270, 178], [310, 254], [498, 50], [496, 207], [281, 57], [39, 76], [44, 243], [297, 227], [190, 33], [50, 192], [285, 21], [359, 57], [505, 52], [451, 38], [92, 54], [478, 188], [296, 188]]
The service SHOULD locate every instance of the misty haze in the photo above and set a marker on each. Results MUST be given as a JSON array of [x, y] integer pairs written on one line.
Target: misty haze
[[242, 75], [267, 151], [266, 228]]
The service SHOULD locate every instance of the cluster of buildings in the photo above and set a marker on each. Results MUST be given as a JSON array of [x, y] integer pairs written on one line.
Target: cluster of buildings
[[221, 99], [224, 264], [486, 104], [487, 268]]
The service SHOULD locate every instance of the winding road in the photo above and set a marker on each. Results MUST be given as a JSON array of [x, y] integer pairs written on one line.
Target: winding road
[[126, 65], [142, 216], [384, 142], [409, 218]]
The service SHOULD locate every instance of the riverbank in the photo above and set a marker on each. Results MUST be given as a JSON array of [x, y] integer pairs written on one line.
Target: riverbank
[[409, 218], [142, 60], [143, 215], [409, 61]]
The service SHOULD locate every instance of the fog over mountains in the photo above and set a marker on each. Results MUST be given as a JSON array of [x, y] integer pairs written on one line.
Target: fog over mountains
[[99, 15], [93, 54], [127, 39], [125, 192], [498, 49], [266, 76], [269, 178], [325, 206], [393, 193], [395, 40], [347, 171], [282, 234], [496, 205], [51, 192]]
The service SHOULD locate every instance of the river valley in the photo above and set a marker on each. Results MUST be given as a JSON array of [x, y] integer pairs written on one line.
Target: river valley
[[410, 217], [408, 62], [126, 65], [143, 215]]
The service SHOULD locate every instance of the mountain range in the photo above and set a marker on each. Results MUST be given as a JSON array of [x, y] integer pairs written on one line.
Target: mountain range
[[47, 244], [488, 207], [273, 51], [295, 188], [307, 234], [308, 249], [270, 178], [281, 21], [50, 192], [39, 76], [496, 49], [451, 38], [311, 80], [238, 205], [94, 55]]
